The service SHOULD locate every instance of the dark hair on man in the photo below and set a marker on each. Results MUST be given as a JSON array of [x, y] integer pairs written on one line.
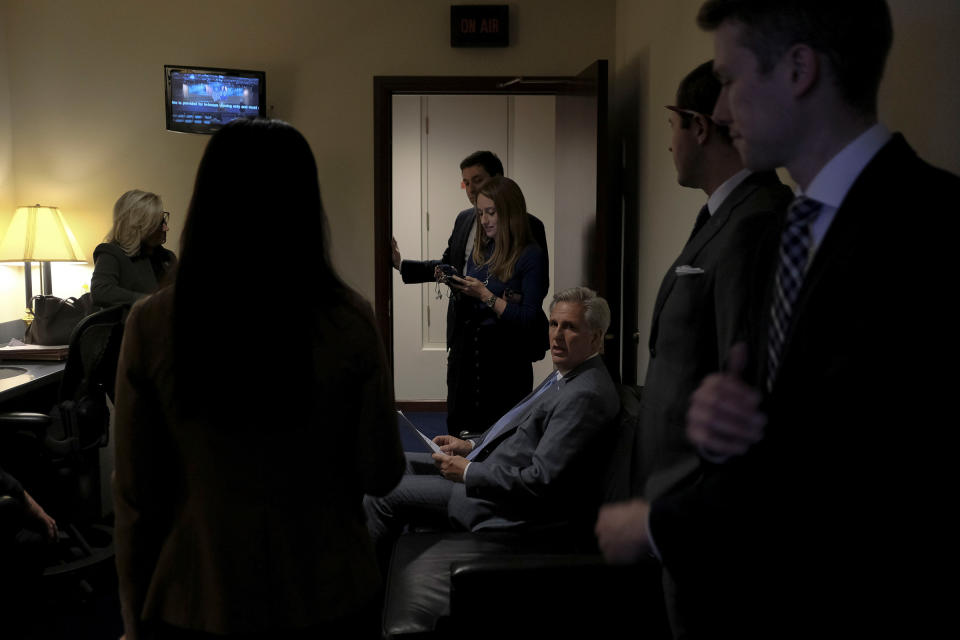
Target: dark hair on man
[[855, 35], [698, 91], [487, 159], [256, 183]]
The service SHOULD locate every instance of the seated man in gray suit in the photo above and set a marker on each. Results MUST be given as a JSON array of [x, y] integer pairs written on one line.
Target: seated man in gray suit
[[537, 465]]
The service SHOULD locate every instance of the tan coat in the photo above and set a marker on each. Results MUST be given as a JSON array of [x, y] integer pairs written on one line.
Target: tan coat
[[242, 527]]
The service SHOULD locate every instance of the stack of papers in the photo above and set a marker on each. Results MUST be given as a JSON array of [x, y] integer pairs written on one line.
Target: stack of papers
[[17, 350]]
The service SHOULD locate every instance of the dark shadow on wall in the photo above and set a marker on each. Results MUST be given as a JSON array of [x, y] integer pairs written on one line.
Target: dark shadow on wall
[[631, 88]]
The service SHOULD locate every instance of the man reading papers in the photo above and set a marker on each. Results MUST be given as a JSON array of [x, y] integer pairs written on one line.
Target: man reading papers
[[538, 465]]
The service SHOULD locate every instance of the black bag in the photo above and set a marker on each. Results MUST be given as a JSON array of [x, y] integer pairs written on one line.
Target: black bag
[[54, 318]]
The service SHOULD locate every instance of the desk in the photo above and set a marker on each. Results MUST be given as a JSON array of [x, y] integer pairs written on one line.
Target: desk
[[21, 377]]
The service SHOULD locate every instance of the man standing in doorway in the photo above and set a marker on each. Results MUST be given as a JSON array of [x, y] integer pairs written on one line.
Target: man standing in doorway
[[475, 169]]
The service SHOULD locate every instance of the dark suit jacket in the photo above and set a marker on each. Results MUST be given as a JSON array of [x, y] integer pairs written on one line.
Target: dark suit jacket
[[119, 279], [414, 271], [697, 317], [543, 468], [251, 525], [837, 519]]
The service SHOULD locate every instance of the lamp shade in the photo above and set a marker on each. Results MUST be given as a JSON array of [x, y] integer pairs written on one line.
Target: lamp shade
[[40, 234]]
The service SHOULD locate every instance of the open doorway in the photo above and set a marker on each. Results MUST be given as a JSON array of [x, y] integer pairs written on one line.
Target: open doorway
[[431, 135], [587, 240]]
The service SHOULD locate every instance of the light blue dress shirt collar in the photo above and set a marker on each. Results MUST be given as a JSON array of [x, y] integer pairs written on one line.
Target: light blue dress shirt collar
[[832, 183]]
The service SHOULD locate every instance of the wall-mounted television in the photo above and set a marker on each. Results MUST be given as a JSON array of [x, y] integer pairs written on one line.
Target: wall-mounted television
[[203, 99]]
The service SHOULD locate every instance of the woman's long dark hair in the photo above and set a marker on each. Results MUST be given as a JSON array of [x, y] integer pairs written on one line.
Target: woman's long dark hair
[[254, 268]]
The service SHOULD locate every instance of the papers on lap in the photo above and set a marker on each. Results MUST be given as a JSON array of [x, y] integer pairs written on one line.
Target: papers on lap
[[430, 443]]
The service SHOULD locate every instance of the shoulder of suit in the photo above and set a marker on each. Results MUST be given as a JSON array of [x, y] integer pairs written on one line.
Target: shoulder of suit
[[532, 251], [588, 368], [109, 248], [898, 156], [764, 194]]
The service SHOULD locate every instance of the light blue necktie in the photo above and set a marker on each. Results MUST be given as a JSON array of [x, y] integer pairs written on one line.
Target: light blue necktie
[[509, 416]]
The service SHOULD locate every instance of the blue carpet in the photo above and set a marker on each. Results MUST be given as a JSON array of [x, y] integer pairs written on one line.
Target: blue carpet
[[431, 423]]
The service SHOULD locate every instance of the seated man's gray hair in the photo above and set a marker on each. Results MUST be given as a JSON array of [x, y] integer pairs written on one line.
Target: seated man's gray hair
[[596, 310]]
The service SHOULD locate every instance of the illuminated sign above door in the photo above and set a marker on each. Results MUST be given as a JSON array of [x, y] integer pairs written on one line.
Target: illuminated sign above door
[[479, 25]]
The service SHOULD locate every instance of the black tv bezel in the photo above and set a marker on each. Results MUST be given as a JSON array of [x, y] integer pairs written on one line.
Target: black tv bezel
[[204, 129]]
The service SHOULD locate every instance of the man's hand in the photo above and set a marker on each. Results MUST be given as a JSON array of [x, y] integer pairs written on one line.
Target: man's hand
[[451, 467], [622, 531], [724, 419], [395, 255], [453, 446], [48, 525]]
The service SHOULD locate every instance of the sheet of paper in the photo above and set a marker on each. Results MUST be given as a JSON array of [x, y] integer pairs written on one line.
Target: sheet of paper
[[430, 443]]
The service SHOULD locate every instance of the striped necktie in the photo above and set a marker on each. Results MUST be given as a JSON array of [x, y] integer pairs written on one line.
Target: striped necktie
[[794, 253]]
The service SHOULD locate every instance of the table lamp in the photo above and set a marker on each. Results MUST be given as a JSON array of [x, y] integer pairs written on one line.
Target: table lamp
[[39, 234]]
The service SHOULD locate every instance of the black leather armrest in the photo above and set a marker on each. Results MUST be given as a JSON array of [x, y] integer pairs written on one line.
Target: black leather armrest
[[24, 420], [561, 594], [37, 426]]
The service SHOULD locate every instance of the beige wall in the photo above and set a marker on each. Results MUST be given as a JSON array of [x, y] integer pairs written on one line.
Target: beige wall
[[658, 42], [85, 82], [11, 305]]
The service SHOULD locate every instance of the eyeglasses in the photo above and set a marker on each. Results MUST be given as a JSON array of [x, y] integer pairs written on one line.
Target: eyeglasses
[[689, 113], [686, 112]]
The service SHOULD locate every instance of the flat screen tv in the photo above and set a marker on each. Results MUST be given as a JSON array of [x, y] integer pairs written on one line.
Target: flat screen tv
[[203, 99]]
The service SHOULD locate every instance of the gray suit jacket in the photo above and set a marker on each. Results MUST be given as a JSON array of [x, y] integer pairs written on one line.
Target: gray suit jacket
[[545, 467], [697, 317]]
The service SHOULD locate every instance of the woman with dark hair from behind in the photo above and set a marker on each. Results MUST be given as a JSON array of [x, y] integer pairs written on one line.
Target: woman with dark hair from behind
[[244, 444]]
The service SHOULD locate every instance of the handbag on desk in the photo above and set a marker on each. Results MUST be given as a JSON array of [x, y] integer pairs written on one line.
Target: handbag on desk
[[54, 318]]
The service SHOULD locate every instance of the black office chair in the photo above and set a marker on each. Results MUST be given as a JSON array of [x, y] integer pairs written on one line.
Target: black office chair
[[443, 584], [57, 455]]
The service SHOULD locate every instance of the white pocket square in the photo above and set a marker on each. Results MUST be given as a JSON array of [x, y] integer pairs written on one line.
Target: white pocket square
[[687, 270]]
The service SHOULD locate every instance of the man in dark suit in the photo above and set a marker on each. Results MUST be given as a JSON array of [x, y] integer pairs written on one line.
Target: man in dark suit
[[475, 169], [539, 465], [708, 294], [823, 511], [702, 305]]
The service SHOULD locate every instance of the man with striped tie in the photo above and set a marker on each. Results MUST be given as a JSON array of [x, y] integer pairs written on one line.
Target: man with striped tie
[[825, 513]]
